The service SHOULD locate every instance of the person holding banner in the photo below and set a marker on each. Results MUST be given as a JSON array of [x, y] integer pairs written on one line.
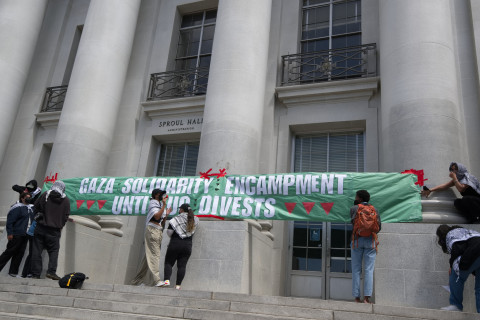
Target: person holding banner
[[366, 224], [469, 188], [53, 207], [181, 229], [149, 272]]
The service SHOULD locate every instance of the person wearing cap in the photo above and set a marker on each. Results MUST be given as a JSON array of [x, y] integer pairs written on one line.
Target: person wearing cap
[[181, 229], [149, 273], [17, 221], [53, 208]]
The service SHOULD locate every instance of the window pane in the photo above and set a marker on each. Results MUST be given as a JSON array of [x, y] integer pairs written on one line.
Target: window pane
[[299, 259], [312, 2], [211, 16], [192, 20], [338, 239], [315, 235], [314, 259], [338, 261], [300, 234]]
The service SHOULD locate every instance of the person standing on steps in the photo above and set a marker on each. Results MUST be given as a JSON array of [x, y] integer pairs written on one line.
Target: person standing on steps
[[149, 272], [181, 229], [17, 223], [53, 207], [366, 224]]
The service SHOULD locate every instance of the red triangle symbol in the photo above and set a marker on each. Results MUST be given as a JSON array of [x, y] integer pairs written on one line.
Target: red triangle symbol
[[101, 203], [290, 206], [90, 203], [79, 203], [308, 206], [327, 206]]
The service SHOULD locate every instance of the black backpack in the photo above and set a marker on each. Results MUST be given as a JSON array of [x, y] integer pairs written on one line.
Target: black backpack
[[72, 280]]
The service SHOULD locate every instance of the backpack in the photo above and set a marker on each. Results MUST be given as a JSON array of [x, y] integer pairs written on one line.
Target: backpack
[[72, 280], [365, 223]]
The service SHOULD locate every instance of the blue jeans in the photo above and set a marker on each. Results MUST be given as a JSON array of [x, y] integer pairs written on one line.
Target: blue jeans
[[457, 283], [366, 251]]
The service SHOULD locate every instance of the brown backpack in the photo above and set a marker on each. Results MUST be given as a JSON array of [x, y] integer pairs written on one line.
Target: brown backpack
[[365, 223]]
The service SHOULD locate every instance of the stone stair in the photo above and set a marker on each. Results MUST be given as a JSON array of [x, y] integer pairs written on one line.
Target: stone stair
[[43, 299]]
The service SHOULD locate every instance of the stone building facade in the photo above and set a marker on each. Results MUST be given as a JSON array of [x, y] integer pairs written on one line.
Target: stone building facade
[[175, 87]]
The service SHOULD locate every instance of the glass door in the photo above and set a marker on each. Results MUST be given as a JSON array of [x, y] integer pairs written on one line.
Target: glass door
[[320, 260]]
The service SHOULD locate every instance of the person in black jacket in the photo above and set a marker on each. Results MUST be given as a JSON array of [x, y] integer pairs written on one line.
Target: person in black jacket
[[463, 245], [17, 222], [54, 208]]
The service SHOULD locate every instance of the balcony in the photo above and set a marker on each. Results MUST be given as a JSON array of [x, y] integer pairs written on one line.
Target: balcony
[[178, 84], [54, 99], [329, 65]]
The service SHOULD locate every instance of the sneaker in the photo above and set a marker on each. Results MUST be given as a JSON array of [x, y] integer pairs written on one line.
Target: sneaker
[[165, 283], [451, 308], [177, 287], [52, 276], [12, 275]]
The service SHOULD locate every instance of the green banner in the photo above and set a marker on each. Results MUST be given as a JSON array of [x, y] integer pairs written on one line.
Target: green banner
[[294, 196]]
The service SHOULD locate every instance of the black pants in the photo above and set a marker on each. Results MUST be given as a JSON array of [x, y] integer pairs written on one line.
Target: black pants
[[178, 251], [27, 269], [15, 250], [45, 239], [469, 206]]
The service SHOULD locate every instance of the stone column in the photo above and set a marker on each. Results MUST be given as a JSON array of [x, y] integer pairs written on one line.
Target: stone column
[[21, 21], [232, 121], [421, 118], [421, 121], [85, 130]]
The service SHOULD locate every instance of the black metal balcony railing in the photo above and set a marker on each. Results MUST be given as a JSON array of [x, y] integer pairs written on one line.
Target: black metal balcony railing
[[328, 65], [54, 98], [176, 84]]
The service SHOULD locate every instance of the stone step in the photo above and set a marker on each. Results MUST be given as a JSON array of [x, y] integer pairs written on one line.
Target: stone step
[[72, 313], [100, 301], [13, 316]]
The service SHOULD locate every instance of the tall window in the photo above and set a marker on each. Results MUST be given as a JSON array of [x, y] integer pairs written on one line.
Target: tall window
[[177, 160], [196, 40], [330, 152], [331, 26]]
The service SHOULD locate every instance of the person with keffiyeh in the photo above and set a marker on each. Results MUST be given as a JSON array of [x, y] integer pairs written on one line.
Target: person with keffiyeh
[[181, 229], [469, 188], [149, 273], [463, 245], [17, 222], [53, 209]]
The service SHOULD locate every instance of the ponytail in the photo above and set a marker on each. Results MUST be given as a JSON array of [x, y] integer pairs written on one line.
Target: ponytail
[[190, 216], [190, 221]]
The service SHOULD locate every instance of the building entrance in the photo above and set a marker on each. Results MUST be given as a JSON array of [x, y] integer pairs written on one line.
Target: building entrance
[[320, 260]]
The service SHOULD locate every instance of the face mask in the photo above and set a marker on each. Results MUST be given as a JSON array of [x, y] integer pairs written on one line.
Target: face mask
[[356, 202]]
